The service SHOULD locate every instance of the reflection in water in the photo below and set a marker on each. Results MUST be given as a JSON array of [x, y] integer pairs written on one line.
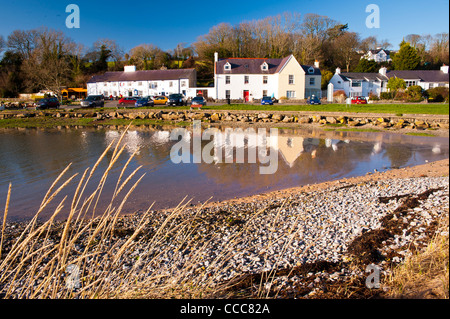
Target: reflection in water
[[32, 158]]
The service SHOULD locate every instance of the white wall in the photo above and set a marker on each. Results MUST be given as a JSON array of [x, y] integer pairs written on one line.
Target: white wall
[[144, 88], [237, 85]]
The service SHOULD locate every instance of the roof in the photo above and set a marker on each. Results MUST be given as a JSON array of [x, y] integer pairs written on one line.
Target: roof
[[423, 75], [363, 76], [379, 50], [253, 66], [148, 75]]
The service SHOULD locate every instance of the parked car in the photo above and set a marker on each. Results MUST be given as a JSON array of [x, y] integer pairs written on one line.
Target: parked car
[[160, 100], [93, 101], [359, 100], [145, 101], [266, 100], [198, 101], [47, 103], [312, 100], [177, 99], [128, 100]]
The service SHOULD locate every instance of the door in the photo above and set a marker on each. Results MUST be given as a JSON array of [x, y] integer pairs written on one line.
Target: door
[[246, 95]]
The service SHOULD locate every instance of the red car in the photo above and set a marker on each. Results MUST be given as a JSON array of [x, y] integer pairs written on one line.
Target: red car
[[359, 100], [128, 100]]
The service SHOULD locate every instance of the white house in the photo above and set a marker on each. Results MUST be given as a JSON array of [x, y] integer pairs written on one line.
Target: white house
[[379, 55], [427, 79], [362, 84], [143, 83], [253, 78]]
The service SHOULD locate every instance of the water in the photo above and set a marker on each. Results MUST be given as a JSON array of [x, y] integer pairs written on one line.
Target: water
[[31, 159]]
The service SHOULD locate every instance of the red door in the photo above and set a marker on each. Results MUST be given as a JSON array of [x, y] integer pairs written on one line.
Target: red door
[[246, 95]]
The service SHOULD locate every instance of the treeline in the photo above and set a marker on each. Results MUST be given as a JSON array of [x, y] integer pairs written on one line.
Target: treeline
[[47, 59]]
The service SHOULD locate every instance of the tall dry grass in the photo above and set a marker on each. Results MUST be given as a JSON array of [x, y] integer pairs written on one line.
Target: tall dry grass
[[84, 257], [424, 274]]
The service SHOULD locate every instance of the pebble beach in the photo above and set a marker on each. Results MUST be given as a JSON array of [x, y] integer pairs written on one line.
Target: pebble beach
[[295, 243]]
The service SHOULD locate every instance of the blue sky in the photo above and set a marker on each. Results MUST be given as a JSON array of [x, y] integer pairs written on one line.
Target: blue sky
[[165, 24]]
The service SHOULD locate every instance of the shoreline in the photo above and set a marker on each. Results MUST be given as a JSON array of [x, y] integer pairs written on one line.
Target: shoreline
[[239, 242]]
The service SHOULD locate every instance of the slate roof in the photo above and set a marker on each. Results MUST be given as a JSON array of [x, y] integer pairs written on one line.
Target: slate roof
[[423, 75], [149, 75], [253, 66], [363, 76]]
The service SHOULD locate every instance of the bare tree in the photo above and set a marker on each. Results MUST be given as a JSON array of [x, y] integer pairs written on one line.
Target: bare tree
[[23, 42], [144, 56], [116, 51], [49, 63], [2, 44]]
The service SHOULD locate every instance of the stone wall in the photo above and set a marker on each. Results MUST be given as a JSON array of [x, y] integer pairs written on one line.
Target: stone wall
[[348, 119]]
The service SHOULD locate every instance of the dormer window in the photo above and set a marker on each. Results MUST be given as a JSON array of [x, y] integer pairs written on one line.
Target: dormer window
[[311, 70], [264, 66], [227, 66]]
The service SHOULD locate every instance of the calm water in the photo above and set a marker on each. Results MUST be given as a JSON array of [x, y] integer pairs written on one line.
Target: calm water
[[31, 159]]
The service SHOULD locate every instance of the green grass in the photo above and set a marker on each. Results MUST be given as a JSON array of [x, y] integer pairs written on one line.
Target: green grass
[[420, 134], [352, 130], [396, 109], [44, 122]]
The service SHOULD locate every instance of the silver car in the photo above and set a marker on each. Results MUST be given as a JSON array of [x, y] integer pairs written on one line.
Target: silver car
[[93, 101]]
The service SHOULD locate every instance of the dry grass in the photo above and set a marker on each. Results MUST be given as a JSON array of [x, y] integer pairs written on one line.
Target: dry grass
[[425, 274], [160, 258]]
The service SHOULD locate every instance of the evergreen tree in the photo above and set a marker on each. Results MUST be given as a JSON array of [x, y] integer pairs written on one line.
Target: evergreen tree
[[407, 58], [365, 65]]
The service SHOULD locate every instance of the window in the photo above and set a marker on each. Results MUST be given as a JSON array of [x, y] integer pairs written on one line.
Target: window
[[227, 66], [356, 84], [105, 84], [139, 83], [264, 93], [154, 85], [410, 83], [311, 70], [265, 79], [130, 83], [291, 79], [227, 79], [183, 84], [170, 84], [312, 81], [227, 94], [264, 66], [246, 79], [290, 94]]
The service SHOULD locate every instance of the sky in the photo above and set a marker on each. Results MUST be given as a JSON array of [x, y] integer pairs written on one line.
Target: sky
[[165, 24]]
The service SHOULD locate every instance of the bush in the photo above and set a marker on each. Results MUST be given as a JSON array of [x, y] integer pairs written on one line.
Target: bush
[[400, 96], [373, 97], [386, 96], [340, 96], [414, 93], [438, 94]]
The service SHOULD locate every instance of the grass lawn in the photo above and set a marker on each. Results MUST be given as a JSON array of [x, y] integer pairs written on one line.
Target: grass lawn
[[398, 109]]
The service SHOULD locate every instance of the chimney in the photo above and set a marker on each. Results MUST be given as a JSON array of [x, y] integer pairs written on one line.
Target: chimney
[[338, 70], [444, 68], [316, 64], [129, 68], [383, 71], [216, 57]]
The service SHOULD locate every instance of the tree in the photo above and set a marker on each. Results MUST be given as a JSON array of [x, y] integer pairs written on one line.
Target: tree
[[49, 62], [2, 44], [365, 65], [345, 49], [407, 57], [144, 56], [396, 84]]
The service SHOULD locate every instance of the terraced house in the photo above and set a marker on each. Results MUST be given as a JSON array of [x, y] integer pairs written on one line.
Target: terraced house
[[143, 83], [252, 78]]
